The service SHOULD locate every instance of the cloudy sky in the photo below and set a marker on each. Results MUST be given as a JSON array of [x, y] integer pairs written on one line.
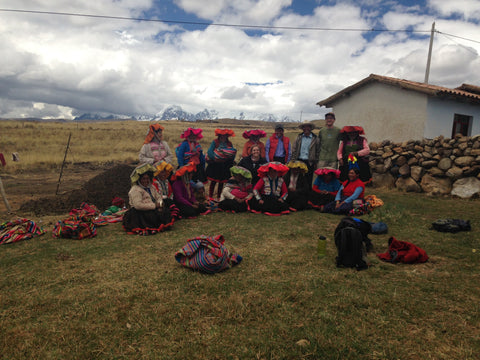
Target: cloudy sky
[[62, 65]]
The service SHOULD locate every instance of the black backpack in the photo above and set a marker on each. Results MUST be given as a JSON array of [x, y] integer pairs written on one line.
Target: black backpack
[[451, 225], [350, 243], [364, 226]]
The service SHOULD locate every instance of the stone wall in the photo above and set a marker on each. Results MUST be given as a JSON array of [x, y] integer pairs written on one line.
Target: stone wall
[[437, 166]]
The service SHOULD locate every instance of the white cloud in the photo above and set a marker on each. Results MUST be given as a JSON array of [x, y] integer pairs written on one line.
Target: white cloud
[[71, 64], [468, 9]]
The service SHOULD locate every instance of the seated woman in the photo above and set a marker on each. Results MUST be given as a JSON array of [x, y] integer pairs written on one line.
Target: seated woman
[[237, 191], [354, 147], [325, 187], [154, 148], [351, 190], [270, 192], [184, 193], [147, 214], [253, 162], [161, 182], [297, 185]]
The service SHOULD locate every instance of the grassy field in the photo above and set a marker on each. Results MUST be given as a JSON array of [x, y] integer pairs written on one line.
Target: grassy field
[[119, 296]]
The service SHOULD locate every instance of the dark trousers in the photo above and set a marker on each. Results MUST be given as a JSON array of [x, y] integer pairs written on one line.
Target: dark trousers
[[309, 174]]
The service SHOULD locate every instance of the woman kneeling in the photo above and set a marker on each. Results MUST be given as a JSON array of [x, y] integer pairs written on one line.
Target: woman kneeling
[[270, 191], [237, 191]]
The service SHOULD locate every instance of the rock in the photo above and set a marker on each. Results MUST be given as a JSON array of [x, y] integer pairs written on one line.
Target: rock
[[445, 164], [436, 186], [471, 171], [457, 152], [463, 146], [387, 163], [454, 172], [412, 161], [418, 148], [429, 163], [401, 160], [387, 154], [427, 155], [404, 170], [417, 172], [408, 185], [385, 180], [373, 146], [476, 145], [475, 152], [447, 152], [379, 168], [466, 187], [398, 149], [464, 161], [435, 171]]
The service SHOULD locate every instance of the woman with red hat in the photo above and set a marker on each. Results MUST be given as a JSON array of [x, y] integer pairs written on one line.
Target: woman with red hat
[[270, 192], [253, 137], [190, 150], [353, 151], [154, 148], [325, 187], [221, 155]]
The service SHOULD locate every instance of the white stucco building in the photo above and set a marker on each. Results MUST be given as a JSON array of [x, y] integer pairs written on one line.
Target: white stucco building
[[400, 110]]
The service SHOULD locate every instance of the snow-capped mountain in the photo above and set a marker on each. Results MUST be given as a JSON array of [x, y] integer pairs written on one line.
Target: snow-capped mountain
[[175, 112]]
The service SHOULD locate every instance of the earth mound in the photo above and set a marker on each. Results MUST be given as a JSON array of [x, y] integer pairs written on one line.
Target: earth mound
[[99, 191]]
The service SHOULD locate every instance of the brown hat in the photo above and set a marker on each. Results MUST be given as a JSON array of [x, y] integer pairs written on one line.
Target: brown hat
[[302, 125]]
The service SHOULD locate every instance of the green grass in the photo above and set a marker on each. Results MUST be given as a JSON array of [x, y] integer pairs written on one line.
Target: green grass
[[121, 296]]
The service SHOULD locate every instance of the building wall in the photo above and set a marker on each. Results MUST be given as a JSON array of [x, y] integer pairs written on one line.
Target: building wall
[[441, 114], [384, 111]]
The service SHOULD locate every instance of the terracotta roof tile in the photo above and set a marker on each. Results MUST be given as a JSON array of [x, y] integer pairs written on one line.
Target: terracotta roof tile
[[465, 92]]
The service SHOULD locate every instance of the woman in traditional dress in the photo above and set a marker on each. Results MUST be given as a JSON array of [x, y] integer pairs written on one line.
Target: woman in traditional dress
[[147, 214], [221, 155], [253, 162], [184, 193], [163, 171], [351, 190], [297, 185], [270, 192], [190, 150], [154, 148], [253, 137], [355, 147], [325, 187], [237, 191]]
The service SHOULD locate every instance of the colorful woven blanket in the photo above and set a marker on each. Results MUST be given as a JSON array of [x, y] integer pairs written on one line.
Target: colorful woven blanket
[[20, 229], [207, 254], [224, 154]]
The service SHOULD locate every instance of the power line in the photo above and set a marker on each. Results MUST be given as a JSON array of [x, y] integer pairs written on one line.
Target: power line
[[458, 37], [210, 24]]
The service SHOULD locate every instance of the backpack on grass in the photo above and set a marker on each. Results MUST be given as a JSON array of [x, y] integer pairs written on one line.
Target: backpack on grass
[[349, 241], [451, 225]]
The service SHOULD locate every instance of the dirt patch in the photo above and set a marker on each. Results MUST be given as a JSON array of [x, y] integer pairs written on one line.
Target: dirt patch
[[100, 190]]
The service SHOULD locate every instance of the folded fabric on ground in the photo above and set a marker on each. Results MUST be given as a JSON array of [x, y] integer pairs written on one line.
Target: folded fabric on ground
[[403, 252], [207, 254], [81, 223], [19, 229]]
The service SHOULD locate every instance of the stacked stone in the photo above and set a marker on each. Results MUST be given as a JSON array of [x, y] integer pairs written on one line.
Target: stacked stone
[[438, 166]]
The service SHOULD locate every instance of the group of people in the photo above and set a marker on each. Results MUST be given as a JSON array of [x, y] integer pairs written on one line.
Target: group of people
[[274, 178]]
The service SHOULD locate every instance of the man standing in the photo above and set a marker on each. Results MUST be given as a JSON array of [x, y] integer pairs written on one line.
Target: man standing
[[278, 147], [329, 139], [306, 149]]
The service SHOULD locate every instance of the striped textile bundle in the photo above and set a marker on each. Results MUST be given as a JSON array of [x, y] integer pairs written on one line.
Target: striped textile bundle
[[207, 254], [224, 153], [20, 229], [74, 229]]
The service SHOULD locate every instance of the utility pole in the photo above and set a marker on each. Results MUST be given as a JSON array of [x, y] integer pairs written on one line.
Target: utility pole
[[301, 112], [427, 70]]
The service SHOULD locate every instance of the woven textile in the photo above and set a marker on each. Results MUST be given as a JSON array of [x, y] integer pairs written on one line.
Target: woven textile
[[20, 229], [207, 254]]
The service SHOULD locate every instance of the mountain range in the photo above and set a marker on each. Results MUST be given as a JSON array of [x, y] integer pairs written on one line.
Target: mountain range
[[175, 112]]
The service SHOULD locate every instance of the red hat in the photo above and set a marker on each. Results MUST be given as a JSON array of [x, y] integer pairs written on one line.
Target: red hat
[[227, 132], [328, 170], [256, 132], [349, 129], [190, 167], [192, 131], [152, 129], [275, 165]]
